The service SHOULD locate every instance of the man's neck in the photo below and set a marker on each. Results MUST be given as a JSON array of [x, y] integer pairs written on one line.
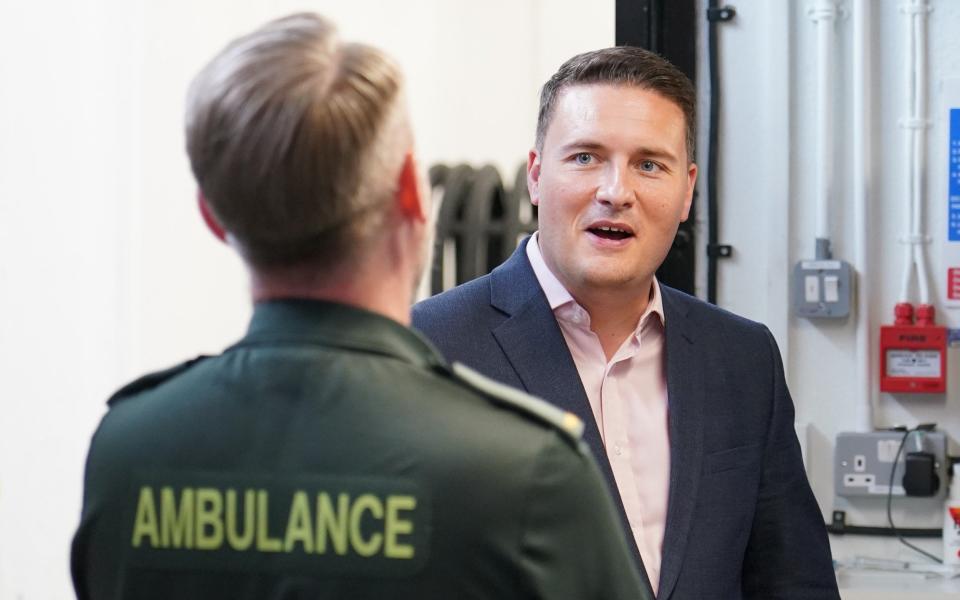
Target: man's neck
[[614, 314], [383, 293]]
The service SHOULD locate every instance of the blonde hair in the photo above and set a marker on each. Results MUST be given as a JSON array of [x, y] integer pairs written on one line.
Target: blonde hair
[[296, 140]]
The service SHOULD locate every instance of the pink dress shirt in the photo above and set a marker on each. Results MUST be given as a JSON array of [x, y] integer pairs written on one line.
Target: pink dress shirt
[[628, 396]]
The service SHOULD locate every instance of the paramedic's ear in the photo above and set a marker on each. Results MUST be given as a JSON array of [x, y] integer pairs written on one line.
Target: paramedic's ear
[[410, 196], [212, 224]]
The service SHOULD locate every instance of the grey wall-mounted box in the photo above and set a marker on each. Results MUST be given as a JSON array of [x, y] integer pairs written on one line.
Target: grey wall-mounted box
[[822, 289]]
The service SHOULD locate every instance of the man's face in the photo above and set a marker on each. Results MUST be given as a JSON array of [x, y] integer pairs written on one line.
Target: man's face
[[612, 183]]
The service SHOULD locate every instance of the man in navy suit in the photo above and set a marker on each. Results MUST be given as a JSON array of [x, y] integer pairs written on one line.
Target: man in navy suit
[[686, 405]]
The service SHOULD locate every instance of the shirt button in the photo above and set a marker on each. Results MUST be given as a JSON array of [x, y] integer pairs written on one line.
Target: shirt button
[[617, 449]]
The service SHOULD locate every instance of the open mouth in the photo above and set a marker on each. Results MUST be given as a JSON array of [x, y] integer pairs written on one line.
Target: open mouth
[[610, 233]]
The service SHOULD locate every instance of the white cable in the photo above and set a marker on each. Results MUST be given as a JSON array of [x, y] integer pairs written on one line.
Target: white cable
[[920, 257], [915, 126], [907, 272], [919, 156], [910, 122], [909, 130], [916, 136], [824, 14]]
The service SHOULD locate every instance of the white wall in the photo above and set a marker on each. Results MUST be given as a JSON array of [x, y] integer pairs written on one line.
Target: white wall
[[105, 268], [767, 195], [66, 175]]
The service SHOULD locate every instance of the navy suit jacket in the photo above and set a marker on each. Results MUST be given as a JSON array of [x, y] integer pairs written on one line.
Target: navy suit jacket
[[742, 521]]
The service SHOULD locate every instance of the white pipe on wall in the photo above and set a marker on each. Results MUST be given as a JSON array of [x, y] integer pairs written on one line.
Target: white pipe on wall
[[824, 14], [920, 140], [909, 138], [915, 125], [862, 178]]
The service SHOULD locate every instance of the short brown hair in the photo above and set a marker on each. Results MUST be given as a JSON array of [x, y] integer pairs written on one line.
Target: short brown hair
[[622, 65], [286, 133]]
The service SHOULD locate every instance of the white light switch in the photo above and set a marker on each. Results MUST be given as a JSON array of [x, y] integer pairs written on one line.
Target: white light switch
[[831, 292], [811, 288]]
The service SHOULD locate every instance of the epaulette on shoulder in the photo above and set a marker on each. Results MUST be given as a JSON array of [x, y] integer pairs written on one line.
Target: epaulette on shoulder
[[151, 380], [565, 422]]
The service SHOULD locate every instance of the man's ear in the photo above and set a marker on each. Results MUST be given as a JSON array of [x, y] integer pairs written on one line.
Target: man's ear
[[691, 184], [533, 176], [410, 200], [212, 223]]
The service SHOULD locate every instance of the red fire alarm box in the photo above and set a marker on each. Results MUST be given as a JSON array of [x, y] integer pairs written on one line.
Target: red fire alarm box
[[913, 356]]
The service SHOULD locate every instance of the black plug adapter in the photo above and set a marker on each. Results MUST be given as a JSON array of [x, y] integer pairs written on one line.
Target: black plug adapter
[[920, 475]]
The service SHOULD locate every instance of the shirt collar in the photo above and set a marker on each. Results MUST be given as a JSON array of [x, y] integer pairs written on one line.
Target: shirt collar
[[558, 296]]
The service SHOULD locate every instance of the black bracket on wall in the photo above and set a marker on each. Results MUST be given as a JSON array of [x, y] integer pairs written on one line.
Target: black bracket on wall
[[721, 13], [719, 250]]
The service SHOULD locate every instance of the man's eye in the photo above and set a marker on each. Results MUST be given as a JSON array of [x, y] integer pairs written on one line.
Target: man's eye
[[648, 166], [582, 158]]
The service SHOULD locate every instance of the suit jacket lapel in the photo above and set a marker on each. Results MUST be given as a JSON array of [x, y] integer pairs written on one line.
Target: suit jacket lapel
[[534, 345], [686, 390]]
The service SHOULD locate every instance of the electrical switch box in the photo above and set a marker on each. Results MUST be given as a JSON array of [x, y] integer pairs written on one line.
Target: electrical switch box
[[863, 461], [822, 289]]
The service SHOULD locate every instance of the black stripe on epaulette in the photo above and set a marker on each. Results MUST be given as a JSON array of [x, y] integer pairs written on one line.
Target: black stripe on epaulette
[[151, 380]]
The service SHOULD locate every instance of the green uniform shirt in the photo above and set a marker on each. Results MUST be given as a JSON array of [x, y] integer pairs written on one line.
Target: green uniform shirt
[[333, 454]]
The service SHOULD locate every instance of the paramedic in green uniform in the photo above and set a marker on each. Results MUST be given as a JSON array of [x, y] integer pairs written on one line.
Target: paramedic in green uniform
[[331, 452]]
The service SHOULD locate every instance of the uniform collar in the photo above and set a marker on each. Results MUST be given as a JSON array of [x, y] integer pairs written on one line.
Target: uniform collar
[[301, 321]]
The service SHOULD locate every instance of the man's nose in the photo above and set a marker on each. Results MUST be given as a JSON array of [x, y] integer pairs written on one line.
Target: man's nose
[[614, 189]]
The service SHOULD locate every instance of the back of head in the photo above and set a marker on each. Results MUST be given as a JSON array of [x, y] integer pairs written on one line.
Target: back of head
[[622, 65], [296, 139]]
